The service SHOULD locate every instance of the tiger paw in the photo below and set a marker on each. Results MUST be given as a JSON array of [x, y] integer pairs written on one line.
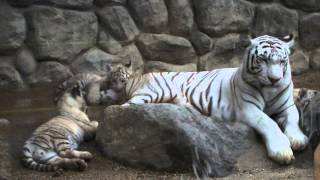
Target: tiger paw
[[87, 156], [279, 150], [298, 140], [81, 164]]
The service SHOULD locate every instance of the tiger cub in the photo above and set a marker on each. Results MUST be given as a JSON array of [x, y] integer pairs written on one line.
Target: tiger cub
[[52, 146], [100, 89]]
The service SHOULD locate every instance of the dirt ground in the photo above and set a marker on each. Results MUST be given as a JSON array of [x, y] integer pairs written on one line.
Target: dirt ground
[[28, 109]]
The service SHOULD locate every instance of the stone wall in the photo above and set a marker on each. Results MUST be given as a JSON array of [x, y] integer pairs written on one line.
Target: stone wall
[[50, 40]]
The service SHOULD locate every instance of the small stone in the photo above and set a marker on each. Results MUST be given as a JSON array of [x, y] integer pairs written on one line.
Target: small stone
[[4, 122]]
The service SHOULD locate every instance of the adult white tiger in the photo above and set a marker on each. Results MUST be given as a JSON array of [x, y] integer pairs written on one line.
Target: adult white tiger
[[259, 89]]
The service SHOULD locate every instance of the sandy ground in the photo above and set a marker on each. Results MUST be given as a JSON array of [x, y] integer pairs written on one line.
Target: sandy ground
[[26, 110]]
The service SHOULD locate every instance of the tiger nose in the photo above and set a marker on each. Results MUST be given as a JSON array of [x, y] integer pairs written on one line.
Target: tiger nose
[[273, 80]]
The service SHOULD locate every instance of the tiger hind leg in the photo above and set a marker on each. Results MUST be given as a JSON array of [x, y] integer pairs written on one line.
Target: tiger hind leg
[[85, 155], [70, 163]]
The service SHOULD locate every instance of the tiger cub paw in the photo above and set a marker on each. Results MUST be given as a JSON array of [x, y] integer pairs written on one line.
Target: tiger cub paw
[[87, 156], [125, 105], [279, 150], [81, 164], [298, 140]]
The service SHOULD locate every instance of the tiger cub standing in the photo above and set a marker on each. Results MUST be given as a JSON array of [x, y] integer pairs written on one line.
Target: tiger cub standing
[[259, 93], [52, 146], [106, 90]]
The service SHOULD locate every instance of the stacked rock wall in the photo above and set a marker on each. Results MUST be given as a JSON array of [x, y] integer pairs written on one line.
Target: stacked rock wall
[[50, 40]]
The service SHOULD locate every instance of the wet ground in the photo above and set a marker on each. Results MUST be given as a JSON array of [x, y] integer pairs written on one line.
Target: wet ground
[[28, 109]]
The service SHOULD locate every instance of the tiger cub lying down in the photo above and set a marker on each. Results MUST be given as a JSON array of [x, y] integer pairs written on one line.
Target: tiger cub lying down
[[99, 89], [52, 146], [259, 93]]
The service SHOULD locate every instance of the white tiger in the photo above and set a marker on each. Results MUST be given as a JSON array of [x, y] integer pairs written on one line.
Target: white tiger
[[259, 93]]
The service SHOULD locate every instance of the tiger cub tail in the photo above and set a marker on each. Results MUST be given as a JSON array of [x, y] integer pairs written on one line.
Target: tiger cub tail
[[28, 161]]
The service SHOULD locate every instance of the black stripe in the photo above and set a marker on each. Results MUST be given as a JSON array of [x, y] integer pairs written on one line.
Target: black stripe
[[162, 90], [175, 76], [165, 81], [279, 94], [149, 86], [26, 149], [62, 143], [201, 102], [248, 101], [220, 91], [143, 94], [210, 107], [285, 102]]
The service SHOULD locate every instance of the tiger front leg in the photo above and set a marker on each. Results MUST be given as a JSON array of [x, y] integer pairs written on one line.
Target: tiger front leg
[[69, 163], [290, 119], [277, 144]]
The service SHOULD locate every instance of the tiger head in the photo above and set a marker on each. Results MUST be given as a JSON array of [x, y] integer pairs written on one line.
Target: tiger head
[[73, 99], [267, 61], [119, 76]]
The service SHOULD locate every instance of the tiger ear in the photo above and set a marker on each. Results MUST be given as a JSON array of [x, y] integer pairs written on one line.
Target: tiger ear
[[289, 40]]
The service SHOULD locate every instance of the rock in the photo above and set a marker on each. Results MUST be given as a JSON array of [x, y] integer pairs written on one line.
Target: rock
[[79, 4], [275, 20], [158, 66], [4, 122], [108, 2], [166, 136], [306, 5], [119, 22], [9, 76], [180, 17], [201, 42], [13, 29], [259, 1], [77, 32], [218, 17], [166, 48], [25, 62], [315, 59], [131, 52], [93, 61], [211, 61], [228, 43], [48, 72], [107, 43], [299, 62], [151, 15], [310, 30]]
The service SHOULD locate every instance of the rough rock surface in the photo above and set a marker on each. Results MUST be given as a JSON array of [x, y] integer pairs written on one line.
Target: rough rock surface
[[107, 43], [93, 61], [211, 61], [77, 31], [158, 66], [166, 48], [25, 62], [49, 71], [151, 15], [180, 17], [217, 17], [166, 137], [100, 3], [13, 28], [9, 76], [300, 63], [275, 20], [310, 30], [119, 21], [315, 59], [201, 42], [131, 53], [305, 5], [79, 4]]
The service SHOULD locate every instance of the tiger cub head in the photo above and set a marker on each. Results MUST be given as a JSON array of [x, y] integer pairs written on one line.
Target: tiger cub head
[[267, 61], [73, 99], [119, 76], [302, 96]]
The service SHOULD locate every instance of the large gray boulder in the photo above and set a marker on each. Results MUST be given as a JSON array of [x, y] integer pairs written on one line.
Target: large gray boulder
[[158, 66], [48, 72], [276, 20], [201, 42], [25, 62], [166, 48], [218, 17], [305, 5], [151, 15], [131, 53], [180, 17], [170, 137], [100, 3], [93, 61], [60, 34], [118, 20], [13, 29], [310, 30], [107, 43]]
